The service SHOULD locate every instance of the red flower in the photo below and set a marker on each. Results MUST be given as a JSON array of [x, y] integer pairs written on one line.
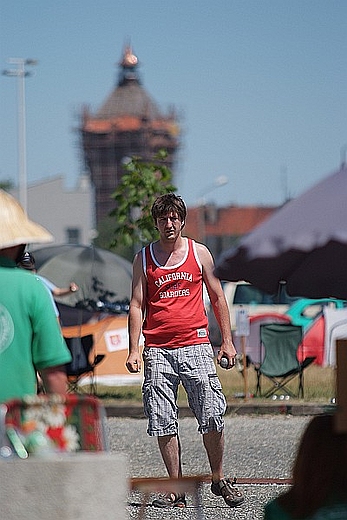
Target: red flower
[[57, 436]]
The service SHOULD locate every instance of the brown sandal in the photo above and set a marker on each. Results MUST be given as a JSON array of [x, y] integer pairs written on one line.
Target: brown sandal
[[225, 488], [170, 500]]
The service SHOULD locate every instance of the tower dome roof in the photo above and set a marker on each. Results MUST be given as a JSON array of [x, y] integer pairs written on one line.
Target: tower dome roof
[[130, 100], [129, 97]]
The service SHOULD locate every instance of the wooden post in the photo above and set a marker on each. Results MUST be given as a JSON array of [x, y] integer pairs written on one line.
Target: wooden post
[[341, 386], [245, 371], [243, 330]]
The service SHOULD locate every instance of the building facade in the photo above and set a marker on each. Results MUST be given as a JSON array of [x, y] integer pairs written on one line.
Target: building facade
[[67, 214], [129, 123], [221, 227]]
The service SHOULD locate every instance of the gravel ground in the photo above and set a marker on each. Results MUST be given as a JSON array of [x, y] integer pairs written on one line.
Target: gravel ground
[[255, 447]]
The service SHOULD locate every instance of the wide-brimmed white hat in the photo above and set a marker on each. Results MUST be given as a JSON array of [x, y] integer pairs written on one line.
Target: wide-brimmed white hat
[[15, 226]]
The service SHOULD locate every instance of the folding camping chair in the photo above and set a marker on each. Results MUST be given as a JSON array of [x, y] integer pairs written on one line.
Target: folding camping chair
[[280, 364], [81, 366]]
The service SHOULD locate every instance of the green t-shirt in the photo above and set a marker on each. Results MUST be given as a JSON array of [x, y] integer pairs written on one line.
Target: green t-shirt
[[333, 511], [30, 336]]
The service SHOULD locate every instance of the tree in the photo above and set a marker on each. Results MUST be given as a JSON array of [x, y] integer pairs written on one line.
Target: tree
[[6, 185], [105, 236], [142, 183]]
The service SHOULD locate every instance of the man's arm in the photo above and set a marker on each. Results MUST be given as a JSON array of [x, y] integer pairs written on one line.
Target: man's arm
[[54, 379], [58, 291], [64, 291], [135, 318], [218, 303]]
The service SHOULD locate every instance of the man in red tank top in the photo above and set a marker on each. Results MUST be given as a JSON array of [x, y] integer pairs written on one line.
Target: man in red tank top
[[167, 306]]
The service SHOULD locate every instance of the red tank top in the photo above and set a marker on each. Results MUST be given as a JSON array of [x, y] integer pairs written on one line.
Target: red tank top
[[175, 312]]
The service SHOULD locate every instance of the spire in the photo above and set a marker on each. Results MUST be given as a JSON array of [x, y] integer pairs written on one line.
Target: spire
[[128, 66]]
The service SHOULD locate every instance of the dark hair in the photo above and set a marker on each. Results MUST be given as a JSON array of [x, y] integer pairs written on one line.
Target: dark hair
[[320, 469], [167, 203], [27, 261]]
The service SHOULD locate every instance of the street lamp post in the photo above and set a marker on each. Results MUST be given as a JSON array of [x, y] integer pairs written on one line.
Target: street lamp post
[[20, 72], [218, 182]]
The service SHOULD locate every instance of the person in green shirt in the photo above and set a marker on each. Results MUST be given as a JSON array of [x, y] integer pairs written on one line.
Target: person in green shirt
[[30, 336], [319, 490]]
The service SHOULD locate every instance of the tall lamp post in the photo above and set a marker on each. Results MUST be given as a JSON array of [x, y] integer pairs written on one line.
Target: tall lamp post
[[222, 180], [20, 72]]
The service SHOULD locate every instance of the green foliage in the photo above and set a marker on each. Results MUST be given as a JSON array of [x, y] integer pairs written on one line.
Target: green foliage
[[105, 237], [6, 185], [141, 184]]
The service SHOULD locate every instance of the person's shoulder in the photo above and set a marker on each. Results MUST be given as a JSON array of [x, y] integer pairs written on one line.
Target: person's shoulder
[[22, 276], [195, 243], [198, 245], [139, 255], [28, 281], [201, 249], [47, 282], [143, 249]]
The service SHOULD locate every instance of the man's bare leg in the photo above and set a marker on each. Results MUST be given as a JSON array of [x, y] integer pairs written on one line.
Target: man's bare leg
[[214, 445], [170, 449]]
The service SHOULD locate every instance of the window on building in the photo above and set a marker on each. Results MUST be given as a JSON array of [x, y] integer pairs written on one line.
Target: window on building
[[73, 235]]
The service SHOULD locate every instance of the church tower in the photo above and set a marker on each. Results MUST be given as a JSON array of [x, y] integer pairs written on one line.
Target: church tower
[[128, 123]]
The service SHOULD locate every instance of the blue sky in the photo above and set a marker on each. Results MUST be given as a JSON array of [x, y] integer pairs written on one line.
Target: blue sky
[[261, 85]]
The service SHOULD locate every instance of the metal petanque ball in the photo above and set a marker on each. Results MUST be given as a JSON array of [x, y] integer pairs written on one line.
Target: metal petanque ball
[[224, 362]]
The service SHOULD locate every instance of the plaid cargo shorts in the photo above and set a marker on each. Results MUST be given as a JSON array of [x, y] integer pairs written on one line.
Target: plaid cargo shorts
[[194, 367]]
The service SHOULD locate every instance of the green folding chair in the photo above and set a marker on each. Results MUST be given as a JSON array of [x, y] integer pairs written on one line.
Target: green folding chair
[[281, 365]]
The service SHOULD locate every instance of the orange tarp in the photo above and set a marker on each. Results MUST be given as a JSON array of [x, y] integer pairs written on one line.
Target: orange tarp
[[111, 339]]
